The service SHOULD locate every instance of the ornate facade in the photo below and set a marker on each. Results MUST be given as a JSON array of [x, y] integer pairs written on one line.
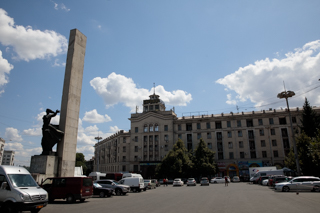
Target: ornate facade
[[240, 140]]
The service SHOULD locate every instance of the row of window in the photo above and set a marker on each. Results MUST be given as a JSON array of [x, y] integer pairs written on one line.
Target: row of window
[[151, 128], [249, 123]]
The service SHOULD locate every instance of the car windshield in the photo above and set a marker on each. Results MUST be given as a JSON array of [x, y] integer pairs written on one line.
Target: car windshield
[[97, 185], [22, 180], [176, 179], [115, 183]]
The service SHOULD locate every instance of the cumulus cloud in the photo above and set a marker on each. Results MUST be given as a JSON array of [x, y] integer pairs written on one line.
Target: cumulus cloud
[[119, 89], [94, 117], [5, 68], [30, 44], [262, 81], [13, 134]]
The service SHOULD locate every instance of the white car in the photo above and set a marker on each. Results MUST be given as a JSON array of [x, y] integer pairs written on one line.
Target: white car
[[235, 179], [191, 182], [177, 182], [302, 183], [265, 182], [217, 180]]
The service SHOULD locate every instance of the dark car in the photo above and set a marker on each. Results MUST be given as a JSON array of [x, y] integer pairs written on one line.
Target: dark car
[[102, 191], [280, 180], [119, 189]]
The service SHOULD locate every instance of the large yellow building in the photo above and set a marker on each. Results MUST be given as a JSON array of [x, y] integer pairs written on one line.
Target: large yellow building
[[240, 140]]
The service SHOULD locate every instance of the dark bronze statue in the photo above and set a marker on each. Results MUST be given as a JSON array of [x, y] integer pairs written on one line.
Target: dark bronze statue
[[51, 135]]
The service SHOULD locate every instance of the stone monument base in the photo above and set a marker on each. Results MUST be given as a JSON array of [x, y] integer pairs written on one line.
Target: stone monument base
[[43, 166]]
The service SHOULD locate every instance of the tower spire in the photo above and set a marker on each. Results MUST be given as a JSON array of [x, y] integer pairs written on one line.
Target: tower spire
[[154, 88]]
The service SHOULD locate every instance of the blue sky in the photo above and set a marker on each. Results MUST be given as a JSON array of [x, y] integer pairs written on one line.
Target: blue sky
[[205, 57]]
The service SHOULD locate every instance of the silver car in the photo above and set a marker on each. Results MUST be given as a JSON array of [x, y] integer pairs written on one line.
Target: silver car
[[302, 183], [118, 188]]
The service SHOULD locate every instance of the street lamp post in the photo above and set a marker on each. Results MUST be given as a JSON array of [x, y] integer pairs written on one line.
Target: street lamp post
[[98, 153], [287, 94]]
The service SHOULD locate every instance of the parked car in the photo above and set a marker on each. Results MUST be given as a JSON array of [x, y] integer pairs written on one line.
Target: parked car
[[118, 188], [217, 180], [102, 191], [265, 182], [279, 179], [156, 182], [270, 179], [261, 178], [150, 184], [204, 181], [136, 183], [235, 179], [68, 188], [177, 182], [191, 182], [302, 183]]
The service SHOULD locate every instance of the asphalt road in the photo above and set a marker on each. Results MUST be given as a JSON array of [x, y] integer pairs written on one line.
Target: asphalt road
[[235, 198]]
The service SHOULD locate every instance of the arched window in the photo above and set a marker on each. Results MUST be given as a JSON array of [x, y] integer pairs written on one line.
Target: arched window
[[156, 128], [151, 128], [145, 128]]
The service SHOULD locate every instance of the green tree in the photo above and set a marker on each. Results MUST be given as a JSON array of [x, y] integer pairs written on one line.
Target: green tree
[[80, 161], [203, 160], [176, 163], [304, 146], [315, 154], [310, 120]]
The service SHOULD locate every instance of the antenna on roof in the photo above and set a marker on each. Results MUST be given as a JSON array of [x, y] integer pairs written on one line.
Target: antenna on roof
[[154, 88]]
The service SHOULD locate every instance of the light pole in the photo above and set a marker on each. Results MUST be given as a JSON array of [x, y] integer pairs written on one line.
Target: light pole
[[287, 94], [98, 153]]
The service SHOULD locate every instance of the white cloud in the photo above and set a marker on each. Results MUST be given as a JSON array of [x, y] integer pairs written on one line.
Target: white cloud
[[114, 129], [30, 44], [119, 89], [33, 131], [58, 64], [61, 6], [5, 68], [262, 81], [13, 134], [94, 117]]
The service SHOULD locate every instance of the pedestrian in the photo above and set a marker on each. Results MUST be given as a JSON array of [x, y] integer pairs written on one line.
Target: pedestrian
[[164, 182], [226, 181], [167, 181]]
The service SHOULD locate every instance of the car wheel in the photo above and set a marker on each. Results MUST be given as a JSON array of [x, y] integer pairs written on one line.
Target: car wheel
[[215, 182], [134, 190], [82, 200], [316, 189], [70, 198], [101, 194], [285, 189], [118, 192]]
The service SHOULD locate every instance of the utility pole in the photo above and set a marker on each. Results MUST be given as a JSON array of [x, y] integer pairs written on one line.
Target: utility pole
[[287, 94]]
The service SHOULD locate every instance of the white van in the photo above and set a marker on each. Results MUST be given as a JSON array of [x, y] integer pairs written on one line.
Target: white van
[[136, 183], [126, 175], [19, 191]]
